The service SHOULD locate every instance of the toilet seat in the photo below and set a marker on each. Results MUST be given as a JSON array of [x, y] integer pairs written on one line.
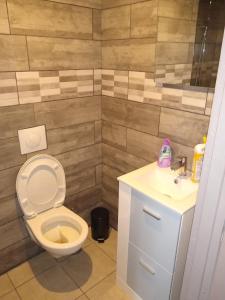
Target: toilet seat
[[40, 185], [41, 189], [54, 217]]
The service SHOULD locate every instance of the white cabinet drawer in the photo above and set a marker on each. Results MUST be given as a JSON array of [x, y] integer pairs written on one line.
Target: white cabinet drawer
[[147, 278], [154, 229]]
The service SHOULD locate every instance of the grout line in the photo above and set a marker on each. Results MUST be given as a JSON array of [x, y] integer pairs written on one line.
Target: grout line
[[70, 4], [28, 58], [7, 11], [34, 275], [97, 283]]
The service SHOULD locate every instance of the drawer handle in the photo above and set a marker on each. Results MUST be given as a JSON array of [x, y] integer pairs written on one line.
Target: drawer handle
[[151, 213], [146, 267]]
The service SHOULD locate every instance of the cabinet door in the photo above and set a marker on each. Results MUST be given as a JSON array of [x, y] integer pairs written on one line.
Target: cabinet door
[[147, 278], [154, 229]]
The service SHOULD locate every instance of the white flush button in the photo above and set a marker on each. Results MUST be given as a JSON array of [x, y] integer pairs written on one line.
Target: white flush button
[[32, 139]]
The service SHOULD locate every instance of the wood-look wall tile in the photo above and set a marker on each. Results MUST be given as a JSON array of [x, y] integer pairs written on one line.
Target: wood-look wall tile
[[77, 181], [148, 147], [81, 159], [110, 185], [8, 181], [17, 253], [144, 19], [110, 3], [98, 131], [116, 54], [172, 53], [114, 110], [116, 23], [60, 54], [180, 126], [115, 3], [9, 209], [120, 160], [110, 197], [98, 174], [97, 24], [114, 134], [175, 30], [4, 23], [69, 138], [8, 89], [68, 112], [177, 9], [14, 118], [84, 3], [109, 177], [143, 145], [142, 55], [13, 53], [44, 18], [139, 116], [84, 200], [12, 232], [10, 155], [133, 54]]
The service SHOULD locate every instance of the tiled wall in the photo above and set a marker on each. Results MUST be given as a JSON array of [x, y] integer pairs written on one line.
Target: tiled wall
[[54, 68], [154, 36], [137, 115], [49, 53], [145, 44]]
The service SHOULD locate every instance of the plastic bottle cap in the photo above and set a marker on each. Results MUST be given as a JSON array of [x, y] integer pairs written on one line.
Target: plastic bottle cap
[[204, 139]]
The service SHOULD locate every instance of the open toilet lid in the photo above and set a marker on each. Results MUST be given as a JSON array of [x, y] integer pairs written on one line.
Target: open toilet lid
[[40, 185]]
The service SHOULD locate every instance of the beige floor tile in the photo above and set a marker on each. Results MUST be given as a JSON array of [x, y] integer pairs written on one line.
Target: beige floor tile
[[107, 290], [87, 242], [88, 266], [110, 245], [5, 285], [52, 284], [83, 298], [31, 268], [10, 296]]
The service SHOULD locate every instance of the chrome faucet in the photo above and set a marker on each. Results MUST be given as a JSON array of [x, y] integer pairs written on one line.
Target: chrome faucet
[[180, 162]]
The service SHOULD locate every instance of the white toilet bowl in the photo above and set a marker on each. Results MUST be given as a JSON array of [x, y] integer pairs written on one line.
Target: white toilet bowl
[[41, 192]]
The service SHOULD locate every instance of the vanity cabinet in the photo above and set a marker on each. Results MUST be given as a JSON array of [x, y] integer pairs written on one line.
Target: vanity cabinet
[[153, 241]]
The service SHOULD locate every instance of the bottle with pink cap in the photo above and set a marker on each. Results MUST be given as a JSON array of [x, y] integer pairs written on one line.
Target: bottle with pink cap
[[165, 155]]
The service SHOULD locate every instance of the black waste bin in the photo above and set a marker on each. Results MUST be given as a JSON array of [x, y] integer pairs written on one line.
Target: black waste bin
[[100, 224]]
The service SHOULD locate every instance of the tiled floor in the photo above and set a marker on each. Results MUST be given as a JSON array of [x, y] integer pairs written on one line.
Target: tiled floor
[[89, 274]]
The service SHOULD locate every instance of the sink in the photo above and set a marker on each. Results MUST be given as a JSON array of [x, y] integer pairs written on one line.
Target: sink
[[167, 183], [164, 185]]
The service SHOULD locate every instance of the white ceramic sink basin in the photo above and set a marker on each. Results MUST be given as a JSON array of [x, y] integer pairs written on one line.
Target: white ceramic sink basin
[[167, 183], [163, 185]]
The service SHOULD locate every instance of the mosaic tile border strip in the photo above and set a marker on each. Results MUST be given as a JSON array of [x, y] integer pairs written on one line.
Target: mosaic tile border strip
[[31, 87], [39, 86], [8, 89], [174, 74], [115, 83], [143, 88], [54, 85]]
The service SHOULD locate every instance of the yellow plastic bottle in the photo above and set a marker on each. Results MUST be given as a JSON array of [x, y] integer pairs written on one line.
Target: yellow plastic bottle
[[199, 152]]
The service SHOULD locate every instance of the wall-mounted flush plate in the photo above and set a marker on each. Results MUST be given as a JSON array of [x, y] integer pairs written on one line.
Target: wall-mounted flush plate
[[32, 139]]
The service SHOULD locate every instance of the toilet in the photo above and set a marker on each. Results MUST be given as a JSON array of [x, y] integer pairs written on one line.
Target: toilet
[[41, 190]]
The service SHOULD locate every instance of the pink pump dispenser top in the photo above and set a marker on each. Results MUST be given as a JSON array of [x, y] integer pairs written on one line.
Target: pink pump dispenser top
[[165, 155]]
